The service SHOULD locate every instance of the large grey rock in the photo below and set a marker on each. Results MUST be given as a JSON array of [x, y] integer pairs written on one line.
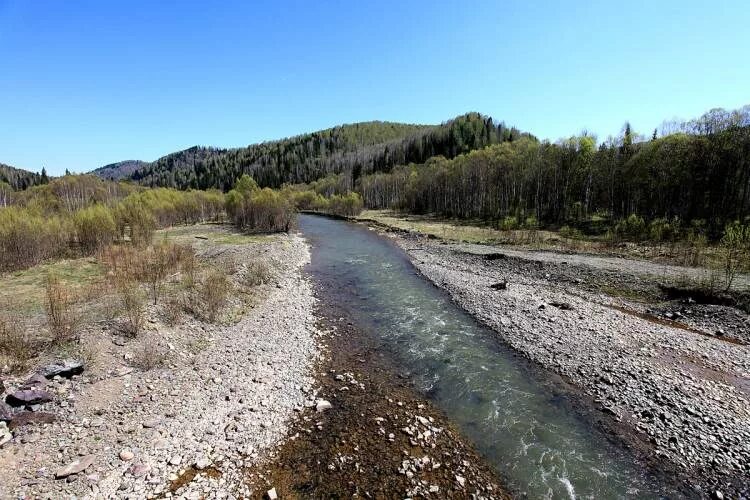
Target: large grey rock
[[28, 397], [23, 418], [75, 467], [62, 368]]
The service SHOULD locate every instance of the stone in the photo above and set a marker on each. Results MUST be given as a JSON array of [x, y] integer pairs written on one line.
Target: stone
[[272, 494], [36, 381], [460, 480], [203, 463], [322, 405], [175, 460], [139, 470], [75, 467], [501, 285], [24, 418], [5, 434], [127, 455], [64, 369], [28, 397], [6, 412]]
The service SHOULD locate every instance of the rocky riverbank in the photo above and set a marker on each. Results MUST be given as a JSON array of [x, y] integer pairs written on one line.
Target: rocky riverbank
[[681, 389], [368, 433], [190, 428]]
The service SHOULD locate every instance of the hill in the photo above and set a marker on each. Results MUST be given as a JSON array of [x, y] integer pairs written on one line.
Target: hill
[[119, 170], [359, 149], [20, 179]]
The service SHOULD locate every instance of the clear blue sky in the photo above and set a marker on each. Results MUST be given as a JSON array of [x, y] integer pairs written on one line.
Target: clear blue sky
[[85, 83]]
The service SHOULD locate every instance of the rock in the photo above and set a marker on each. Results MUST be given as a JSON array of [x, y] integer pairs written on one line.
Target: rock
[[562, 305], [272, 494], [6, 412], [5, 434], [31, 417], [28, 397], [460, 480], [139, 470], [127, 455], [322, 405], [175, 460], [2, 386], [64, 369], [203, 463], [75, 467], [502, 285], [36, 381]]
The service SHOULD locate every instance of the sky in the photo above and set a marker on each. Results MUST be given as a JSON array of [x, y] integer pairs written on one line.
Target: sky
[[86, 83]]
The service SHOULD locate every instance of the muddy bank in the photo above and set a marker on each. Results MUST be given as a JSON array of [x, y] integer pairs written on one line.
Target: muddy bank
[[683, 394], [379, 439]]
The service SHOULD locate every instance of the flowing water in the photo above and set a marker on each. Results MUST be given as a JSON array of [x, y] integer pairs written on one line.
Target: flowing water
[[515, 416]]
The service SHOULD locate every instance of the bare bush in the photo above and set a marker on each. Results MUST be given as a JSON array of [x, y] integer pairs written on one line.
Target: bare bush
[[172, 309], [257, 273], [149, 356], [17, 346], [132, 306], [62, 319], [214, 292]]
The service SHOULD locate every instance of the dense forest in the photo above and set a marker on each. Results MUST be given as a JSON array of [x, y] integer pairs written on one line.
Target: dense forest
[[357, 149], [119, 170], [699, 173]]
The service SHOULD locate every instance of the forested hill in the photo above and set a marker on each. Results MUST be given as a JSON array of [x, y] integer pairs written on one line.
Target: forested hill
[[119, 170], [360, 148], [20, 179]]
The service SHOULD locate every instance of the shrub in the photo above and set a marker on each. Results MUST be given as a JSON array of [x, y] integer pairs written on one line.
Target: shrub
[[631, 228], [134, 215], [509, 223], [95, 227], [257, 273], [17, 347], [214, 292], [264, 211], [531, 222], [346, 205], [663, 229], [27, 238], [149, 356], [132, 306], [62, 319], [571, 232]]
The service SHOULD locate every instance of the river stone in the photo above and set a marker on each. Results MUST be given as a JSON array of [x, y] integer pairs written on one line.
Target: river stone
[[28, 397], [127, 455], [62, 368], [75, 467], [323, 405], [36, 381], [30, 417]]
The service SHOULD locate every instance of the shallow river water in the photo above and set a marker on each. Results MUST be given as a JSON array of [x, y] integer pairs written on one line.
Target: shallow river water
[[517, 418]]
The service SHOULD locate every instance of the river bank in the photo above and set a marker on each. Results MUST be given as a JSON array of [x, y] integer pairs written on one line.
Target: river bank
[[190, 427], [681, 391]]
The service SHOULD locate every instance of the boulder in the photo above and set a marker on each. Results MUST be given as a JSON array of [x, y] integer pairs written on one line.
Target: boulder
[[75, 467], [28, 397], [64, 369], [31, 417]]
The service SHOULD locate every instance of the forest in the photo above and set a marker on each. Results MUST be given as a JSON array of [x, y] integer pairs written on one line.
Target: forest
[[357, 149]]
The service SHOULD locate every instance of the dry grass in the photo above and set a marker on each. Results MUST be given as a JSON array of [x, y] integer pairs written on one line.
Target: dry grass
[[257, 272], [149, 356]]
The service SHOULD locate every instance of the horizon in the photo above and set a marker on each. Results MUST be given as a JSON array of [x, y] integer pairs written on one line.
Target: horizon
[[81, 95]]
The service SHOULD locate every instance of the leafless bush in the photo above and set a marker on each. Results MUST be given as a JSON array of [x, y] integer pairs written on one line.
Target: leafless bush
[[172, 309], [132, 306], [62, 319], [17, 347], [149, 356], [257, 273], [214, 292]]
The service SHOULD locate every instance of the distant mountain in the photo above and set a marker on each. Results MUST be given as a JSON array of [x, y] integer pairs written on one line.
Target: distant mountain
[[18, 178], [357, 149], [119, 170]]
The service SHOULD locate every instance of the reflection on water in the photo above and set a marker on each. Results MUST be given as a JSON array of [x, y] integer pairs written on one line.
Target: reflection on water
[[516, 419]]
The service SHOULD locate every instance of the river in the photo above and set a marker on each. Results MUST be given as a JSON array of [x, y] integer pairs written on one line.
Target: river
[[517, 417]]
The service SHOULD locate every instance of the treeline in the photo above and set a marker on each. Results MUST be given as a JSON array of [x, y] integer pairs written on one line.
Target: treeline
[[702, 175], [356, 150], [17, 179], [80, 214]]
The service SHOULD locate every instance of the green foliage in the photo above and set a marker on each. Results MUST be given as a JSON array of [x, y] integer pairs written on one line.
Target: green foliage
[[94, 227], [736, 243], [509, 223], [632, 228], [259, 210], [27, 238]]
